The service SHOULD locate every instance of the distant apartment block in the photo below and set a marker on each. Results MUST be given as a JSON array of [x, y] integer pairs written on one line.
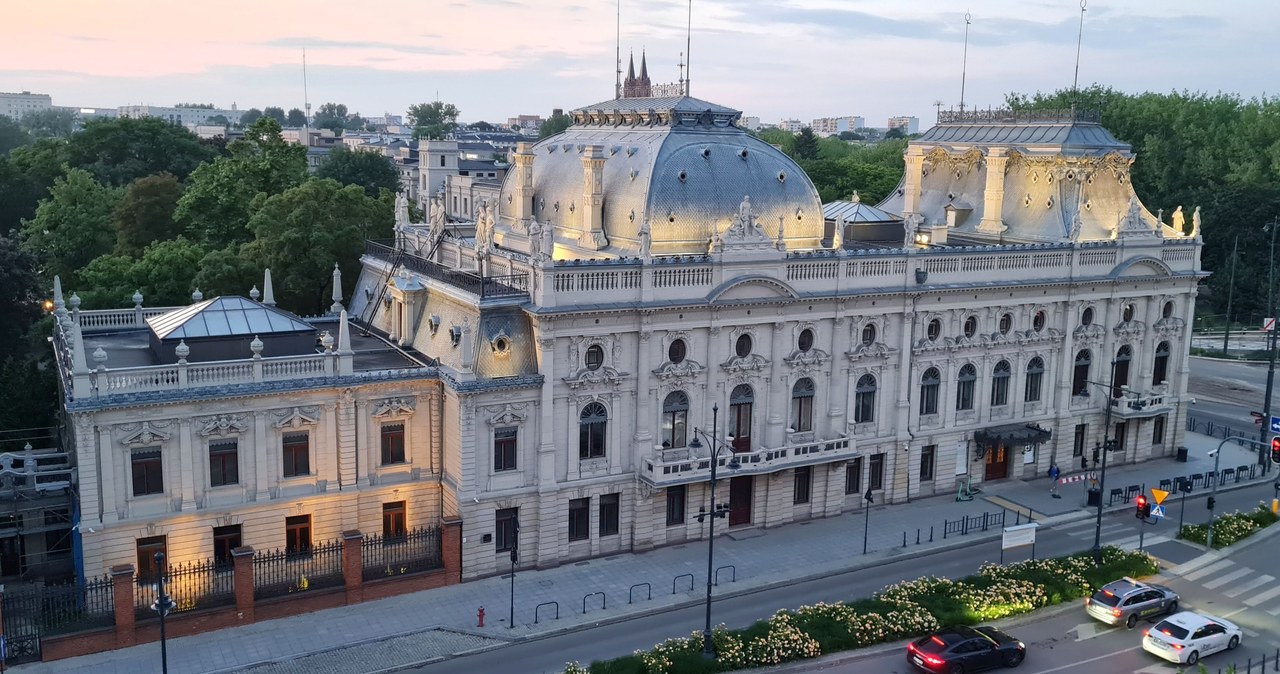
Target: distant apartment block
[[15, 105], [830, 126], [792, 125], [908, 125], [181, 116], [525, 122], [749, 123]]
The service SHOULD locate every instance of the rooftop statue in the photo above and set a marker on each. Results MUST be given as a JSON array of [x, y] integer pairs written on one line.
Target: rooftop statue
[[1179, 220], [484, 230], [1195, 222], [437, 217], [644, 237], [402, 211]]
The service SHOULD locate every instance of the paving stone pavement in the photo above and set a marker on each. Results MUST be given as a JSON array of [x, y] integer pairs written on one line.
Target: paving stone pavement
[[757, 557], [389, 653]]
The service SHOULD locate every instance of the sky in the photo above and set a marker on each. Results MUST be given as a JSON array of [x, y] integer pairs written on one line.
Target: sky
[[494, 59]]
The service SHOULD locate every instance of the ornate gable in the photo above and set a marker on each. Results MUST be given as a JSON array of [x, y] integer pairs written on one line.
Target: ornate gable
[[508, 415], [401, 406], [222, 425], [297, 417], [146, 433], [807, 362]]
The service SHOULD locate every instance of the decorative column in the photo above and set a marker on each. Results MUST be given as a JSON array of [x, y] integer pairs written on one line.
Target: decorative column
[[261, 457], [546, 520], [914, 171], [993, 194], [522, 194], [185, 466], [592, 226], [779, 390]]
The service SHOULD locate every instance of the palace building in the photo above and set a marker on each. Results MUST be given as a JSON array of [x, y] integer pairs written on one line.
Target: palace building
[[653, 275]]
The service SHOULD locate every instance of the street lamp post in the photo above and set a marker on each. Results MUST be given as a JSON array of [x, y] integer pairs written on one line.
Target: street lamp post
[[162, 605], [1213, 493], [515, 555], [866, 519], [1271, 347], [1107, 446], [715, 447]]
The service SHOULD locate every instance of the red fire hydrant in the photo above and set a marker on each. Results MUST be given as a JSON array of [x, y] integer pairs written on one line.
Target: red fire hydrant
[[480, 616]]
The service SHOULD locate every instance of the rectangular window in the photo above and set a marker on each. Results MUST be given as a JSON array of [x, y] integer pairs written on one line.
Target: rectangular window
[[676, 499], [297, 533], [853, 476], [1157, 430], [608, 514], [394, 520], [877, 471], [504, 448], [929, 397], [392, 444], [1121, 429], [928, 459], [297, 454], [224, 463], [147, 475], [804, 481], [1082, 433], [225, 539], [147, 549], [505, 528], [579, 519]]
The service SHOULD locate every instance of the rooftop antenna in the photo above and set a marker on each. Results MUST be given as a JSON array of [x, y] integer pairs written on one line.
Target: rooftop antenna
[[937, 106], [617, 77], [306, 99], [964, 63], [688, 44], [1075, 81], [681, 64]]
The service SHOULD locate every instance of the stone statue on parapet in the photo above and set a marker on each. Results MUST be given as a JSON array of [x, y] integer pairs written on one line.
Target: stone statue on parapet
[[1195, 222], [437, 217], [910, 225], [1076, 225], [644, 236], [402, 211], [484, 230], [1179, 220], [744, 224], [837, 234]]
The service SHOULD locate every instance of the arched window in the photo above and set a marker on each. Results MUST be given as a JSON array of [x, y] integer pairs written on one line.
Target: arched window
[[675, 420], [1160, 373], [1080, 377], [964, 387], [1120, 375], [1035, 380], [592, 424], [595, 357], [869, 334], [864, 400], [1000, 384], [929, 385], [802, 405], [741, 401]]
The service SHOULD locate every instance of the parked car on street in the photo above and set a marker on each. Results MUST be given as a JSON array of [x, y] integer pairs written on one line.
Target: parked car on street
[[958, 650], [1186, 637], [1128, 600]]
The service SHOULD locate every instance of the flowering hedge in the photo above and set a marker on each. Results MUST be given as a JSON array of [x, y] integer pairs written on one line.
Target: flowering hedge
[[1230, 527], [902, 610]]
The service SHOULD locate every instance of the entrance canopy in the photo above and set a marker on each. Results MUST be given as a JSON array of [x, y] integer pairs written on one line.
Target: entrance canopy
[[1013, 434]]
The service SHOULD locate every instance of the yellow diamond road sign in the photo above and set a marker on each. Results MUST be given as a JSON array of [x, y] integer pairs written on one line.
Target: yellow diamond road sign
[[1159, 495]]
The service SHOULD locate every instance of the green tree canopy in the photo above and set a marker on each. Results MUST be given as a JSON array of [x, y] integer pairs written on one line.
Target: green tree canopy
[[331, 116], [248, 117], [119, 151], [369, 170], [296, 117], [806, 146], [277, 114], [220, 196], [145, 214], [432, 121], [51, 123], [72, 226], [11, 135], [301, 233], [784, 140], [232, 270], [20, 291], [895, 132], [553, 125], [25, 178]]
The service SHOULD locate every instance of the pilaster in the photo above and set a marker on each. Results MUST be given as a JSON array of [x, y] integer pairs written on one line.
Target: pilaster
[[993, 193]]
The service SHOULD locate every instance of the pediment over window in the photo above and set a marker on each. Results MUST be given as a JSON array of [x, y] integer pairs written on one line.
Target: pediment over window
[[297, 417], [750, 363], [403, 406], [146, 433], [1130, 330], [687, 368], [1089, 333], [1171, 326], [223, 424], [807, 361], [872, 351], [509, 415], [603, 375]]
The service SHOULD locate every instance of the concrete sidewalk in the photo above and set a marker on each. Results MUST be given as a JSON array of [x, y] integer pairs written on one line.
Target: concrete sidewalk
[[414, 628]]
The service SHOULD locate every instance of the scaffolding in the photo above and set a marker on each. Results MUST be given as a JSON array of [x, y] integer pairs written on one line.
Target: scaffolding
[[37, 506]]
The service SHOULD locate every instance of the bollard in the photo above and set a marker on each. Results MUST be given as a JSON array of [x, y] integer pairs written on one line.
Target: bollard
[[480, 617], [917, 537], [930, 533], [904, 539]]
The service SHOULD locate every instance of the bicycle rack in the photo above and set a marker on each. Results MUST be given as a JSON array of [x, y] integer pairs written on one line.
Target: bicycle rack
[[603, 601], [546, 603], [648, 589], [677, 579], [733, 574]]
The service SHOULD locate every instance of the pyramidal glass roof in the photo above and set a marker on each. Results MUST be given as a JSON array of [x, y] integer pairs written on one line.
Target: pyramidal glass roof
[[225, 317]]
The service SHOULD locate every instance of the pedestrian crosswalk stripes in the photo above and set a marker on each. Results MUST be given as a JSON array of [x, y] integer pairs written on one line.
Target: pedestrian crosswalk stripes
[[1132, 542], [1194, 564], [1256, 582], [1227, 578], [1263, 596], [1212, 568]]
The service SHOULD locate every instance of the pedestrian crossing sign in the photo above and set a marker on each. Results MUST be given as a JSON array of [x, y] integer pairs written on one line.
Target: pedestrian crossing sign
[[1159, 495], [1157, 511]]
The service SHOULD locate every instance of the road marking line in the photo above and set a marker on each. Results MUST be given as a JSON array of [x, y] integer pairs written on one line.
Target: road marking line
[[1274, 611], [1194, 564], [1223, 580], [1259, 598], [1212, 568], [1083, 662], [1083, 524], [1260, 580]]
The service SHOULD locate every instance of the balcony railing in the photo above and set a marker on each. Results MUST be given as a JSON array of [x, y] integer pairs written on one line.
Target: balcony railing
[[487, 287], [667, 467]]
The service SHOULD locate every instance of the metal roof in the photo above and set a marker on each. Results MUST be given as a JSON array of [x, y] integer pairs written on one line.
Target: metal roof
[[226, 317], [855, 212], [671, 103], [1072, 135]]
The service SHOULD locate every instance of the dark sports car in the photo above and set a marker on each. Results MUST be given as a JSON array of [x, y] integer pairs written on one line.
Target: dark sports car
[[957, 650]]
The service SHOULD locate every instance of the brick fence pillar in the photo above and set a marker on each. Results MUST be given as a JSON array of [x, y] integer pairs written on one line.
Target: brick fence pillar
[[451, 548], [242, 561], [353, 565], [122, 596]]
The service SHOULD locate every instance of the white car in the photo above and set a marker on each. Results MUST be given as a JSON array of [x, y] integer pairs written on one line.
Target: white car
[[1186, 637]]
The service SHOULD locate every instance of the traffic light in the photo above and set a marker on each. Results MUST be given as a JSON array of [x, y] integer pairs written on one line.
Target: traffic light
[[1212, 502], [1143, 507], [1275, 449]]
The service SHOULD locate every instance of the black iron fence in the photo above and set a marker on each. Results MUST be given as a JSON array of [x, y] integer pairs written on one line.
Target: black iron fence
[[191, 585], [512, 285], [414, 552], [282, 572], [43, 610], [969, 523]]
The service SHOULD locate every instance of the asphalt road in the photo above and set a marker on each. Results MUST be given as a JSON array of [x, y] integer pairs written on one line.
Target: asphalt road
[[620, 638]]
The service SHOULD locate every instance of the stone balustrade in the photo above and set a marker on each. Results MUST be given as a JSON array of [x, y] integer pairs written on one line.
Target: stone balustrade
[[214, 373], [668, 467]]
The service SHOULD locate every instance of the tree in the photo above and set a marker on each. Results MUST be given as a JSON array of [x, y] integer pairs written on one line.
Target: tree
[[119, 151], [220, 196], [783, 140], [51, 123], [20, 291], [806, 146], [218, 120], [895, 132], [482, 126], [72, 226], [229, 271], [553, 125], [432, 121], [331, 116], [850, 135], [369, 170], [296, 117], [11, 135], [25, 178], [145, 213], [29, 398], [167, 271], [301, 233], [252, 114]]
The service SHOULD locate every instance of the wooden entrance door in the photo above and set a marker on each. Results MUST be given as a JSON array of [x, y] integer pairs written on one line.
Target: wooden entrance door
[[997, 463], [740, 500]]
